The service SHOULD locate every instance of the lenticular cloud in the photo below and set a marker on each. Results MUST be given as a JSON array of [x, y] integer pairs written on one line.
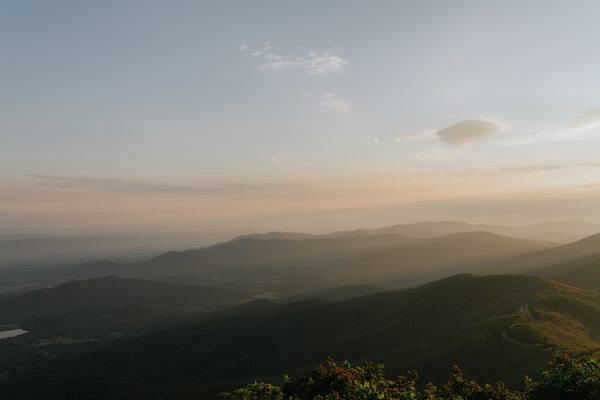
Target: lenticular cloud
[[466, 132]]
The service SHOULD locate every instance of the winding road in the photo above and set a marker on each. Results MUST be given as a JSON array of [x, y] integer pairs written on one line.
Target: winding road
[[526, 312]]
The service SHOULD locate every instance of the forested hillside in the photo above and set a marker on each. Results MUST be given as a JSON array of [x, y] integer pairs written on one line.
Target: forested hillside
[[495, 327]]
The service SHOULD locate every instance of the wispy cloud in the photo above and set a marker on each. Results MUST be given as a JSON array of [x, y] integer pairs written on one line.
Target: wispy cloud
[[312, 63], [370, 139], [546, 157], [330, 102], [429, 154], [414, 136], [272, 160], [585, 126], [265, 48], [141, 186], [323, 64], [553, 135], [527, 169], [589, 118]]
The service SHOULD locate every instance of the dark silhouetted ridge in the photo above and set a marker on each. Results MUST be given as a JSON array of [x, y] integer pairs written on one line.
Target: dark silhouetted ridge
[[498, 327]]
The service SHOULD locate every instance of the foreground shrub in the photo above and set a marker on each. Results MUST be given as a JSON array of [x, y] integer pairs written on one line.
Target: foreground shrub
[[331, 381], [256, 391], [565, 379], [568, 379]]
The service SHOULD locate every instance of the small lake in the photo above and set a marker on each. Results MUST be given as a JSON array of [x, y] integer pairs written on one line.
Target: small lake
[[11, 333]]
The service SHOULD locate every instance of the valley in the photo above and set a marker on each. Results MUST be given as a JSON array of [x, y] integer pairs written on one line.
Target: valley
[[254, 306]]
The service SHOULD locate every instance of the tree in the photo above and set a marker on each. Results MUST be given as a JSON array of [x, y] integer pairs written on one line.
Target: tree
[[565, 379], [568, 379]]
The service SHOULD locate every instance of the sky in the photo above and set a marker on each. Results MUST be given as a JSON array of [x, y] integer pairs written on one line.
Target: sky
[[153, 116]]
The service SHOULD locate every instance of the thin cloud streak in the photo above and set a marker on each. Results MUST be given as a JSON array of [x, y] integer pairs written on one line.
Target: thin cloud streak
[[430, 154], [415, 136], [141, 186], [330, 102], [553, 136], [590, 117], [371, 139], [585, 126]]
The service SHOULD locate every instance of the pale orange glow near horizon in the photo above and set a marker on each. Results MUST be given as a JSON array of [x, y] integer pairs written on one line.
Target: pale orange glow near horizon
[[384, 198]]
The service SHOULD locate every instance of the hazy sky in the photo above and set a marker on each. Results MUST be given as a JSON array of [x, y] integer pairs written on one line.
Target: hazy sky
[[305, 115]]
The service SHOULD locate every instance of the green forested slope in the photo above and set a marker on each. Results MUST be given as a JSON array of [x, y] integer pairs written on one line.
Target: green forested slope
[[497, 327]]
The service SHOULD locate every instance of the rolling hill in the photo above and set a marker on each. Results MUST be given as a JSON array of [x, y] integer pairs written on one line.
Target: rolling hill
[[553, 261], [278, 268], [242, 254], [586, 276], [338, 293], [109, 292], [428, 259], [496, 327], [282, 268], [85, 270]]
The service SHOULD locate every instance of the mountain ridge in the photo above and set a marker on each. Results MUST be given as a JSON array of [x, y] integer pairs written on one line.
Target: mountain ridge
[[559, 231], [476, 321], [546, 262], [115, 291]]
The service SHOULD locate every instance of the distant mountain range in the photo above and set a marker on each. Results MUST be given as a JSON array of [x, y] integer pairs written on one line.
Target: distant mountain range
[[586, 276], [549, 262], [428, 259], [190, 324], [57, 250], [576, 264], [556, 232], [289, 269], [281, 267], [249, 252]]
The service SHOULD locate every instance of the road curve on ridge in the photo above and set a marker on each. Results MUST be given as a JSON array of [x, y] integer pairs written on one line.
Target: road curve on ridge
[[524, 310]]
